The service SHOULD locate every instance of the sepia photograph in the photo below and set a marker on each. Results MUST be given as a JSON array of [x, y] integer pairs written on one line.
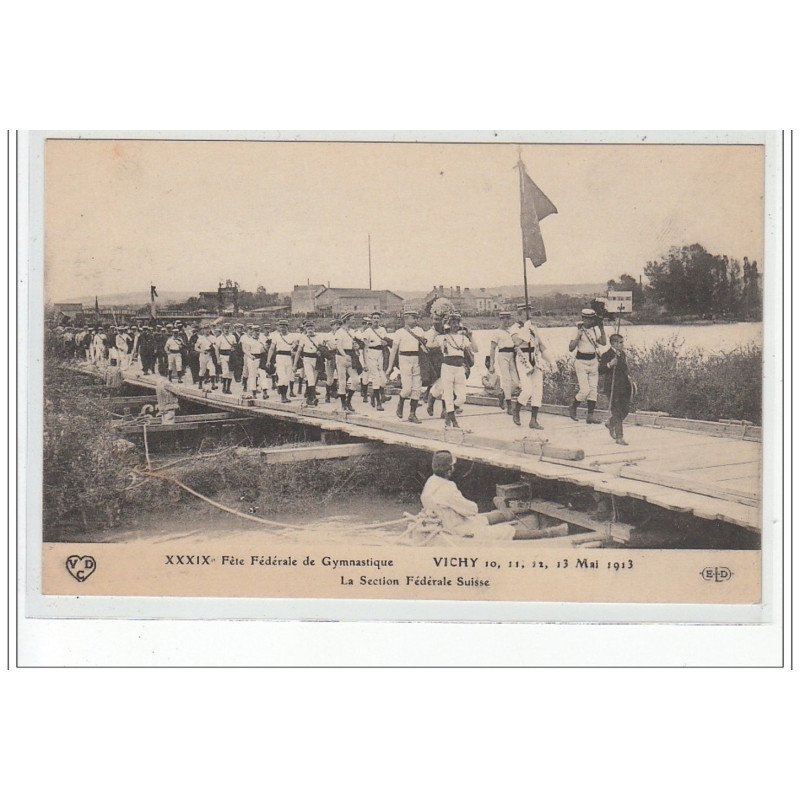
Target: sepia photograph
[[426, 370]]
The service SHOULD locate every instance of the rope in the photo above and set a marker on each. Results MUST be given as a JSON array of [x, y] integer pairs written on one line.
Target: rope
[[220, 506]]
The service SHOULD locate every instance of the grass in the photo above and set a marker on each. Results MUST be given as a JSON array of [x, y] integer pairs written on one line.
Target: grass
[[692, 385]]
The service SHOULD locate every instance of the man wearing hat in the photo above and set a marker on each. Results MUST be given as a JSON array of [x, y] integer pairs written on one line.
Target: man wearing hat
[[502, 361], [204, 347], [161, 335], [530, 353], [256, 362], [307, 357], [346, 372], [586, 345], [456, 344], [174, 351], [458, 515], [328, 340], [148, 350], [225, 345], [282, 350], [375, 344], [408, 342]]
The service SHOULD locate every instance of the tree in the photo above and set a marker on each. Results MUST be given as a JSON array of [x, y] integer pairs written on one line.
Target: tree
[[690, 280]]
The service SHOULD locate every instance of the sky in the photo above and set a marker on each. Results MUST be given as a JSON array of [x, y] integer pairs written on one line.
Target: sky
[[184, 215]]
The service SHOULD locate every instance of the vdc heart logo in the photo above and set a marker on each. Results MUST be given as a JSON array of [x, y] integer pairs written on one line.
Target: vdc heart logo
[[81, 567]]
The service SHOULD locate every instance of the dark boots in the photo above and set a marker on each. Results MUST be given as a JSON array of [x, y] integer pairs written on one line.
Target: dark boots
[[431, 404], [515, 413], [573, 410], [412, 415], [282, 390], [376, 399], [349, 403], [450, 420], [590, 420], [510, 407], [534, 423], [400, 405], [343, 398], [364, 393]]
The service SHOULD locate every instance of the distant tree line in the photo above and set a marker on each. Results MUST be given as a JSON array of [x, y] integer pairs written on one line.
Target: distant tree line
[[690, 281]]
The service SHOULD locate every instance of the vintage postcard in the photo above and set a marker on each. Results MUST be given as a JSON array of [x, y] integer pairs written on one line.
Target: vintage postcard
[[473, 371]]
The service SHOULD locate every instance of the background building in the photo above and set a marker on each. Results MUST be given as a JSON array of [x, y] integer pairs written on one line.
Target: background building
[[331, 300], [304, 298]]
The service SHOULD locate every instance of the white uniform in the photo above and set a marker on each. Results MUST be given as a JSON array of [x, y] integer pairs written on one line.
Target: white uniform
[[453, 379], [284, 356], [225, 343], [586, 365], [529, 366], [173, 348], [505, 366], [204, 345], [255, 375], [308, 356], [408, 360], [346, 373], [374, 349], [459, 515]]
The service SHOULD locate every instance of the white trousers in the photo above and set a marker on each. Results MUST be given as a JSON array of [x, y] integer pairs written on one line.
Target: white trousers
[[531, 386], [252, 375], [586, 373], [454, 386], [207, 365], [310, 370], [377, 376], [174, 362], [506, 369], [225, 366], [410, 377], [346, 375], [283, 367]]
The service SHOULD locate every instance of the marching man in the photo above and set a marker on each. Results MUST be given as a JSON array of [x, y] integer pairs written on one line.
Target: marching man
[[225, 344], [375, 343], [502, 358], [530, 352], [256, 350], [406, 349], [346, 373], [204, 347], [282, 349], [455, 343], [307, 355], [173, 349], [585, 344]]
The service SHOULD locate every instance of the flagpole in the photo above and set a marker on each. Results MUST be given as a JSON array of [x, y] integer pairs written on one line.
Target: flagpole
[[369, 258], [524, 262]]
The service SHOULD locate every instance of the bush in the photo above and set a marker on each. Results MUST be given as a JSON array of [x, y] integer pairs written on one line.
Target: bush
[[693, 384]]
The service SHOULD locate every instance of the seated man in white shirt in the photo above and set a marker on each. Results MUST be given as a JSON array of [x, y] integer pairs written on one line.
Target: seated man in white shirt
[[458, 515]]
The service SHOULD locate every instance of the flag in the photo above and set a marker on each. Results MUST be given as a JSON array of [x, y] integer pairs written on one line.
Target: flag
[[534, 207], [153, 295], [96, 306], [153, 292]]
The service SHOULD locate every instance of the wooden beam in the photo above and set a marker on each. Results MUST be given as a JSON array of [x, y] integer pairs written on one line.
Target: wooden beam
[[293, 455]]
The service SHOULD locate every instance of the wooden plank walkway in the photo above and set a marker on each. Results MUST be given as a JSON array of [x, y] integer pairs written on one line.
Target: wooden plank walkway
[[714, 476]]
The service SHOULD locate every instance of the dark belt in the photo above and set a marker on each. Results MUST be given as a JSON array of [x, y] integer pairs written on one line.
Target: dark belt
[[376, 347], [409, 353], [283, 352], [586, 356], [310, 355], [224, 352], [453, 361], [506, 349]]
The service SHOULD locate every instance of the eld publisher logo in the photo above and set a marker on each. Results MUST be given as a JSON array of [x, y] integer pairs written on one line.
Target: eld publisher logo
[[716, 574]]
